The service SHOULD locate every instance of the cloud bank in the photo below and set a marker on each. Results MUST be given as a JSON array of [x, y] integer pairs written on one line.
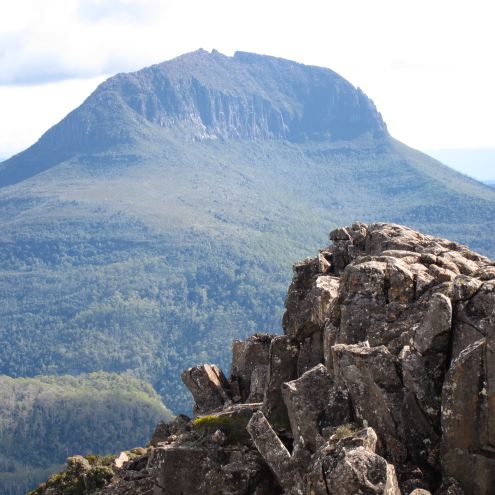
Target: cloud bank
[[55, 40]]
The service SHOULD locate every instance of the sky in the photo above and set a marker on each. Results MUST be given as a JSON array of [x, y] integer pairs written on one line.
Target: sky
[[427, 64]]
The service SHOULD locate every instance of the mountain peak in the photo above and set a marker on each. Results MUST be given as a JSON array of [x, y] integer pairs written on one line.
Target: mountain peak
[[211, 95], [250, 96], [207, 95]]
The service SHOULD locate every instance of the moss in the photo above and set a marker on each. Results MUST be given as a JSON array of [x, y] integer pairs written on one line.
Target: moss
[[139, 451], [232, 425], [345, 431], [103, 460]]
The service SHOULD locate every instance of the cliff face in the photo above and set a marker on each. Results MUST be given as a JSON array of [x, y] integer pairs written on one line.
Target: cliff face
[[382, 383], [247, 96], [203, 95]]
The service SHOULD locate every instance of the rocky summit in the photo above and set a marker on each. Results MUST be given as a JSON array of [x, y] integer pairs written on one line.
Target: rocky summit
[[383, 383]]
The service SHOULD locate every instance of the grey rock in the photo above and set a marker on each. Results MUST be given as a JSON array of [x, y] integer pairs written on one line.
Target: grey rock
[[210, 470], [474, 317], [309, 301], [163, 431], [351, 467], [248, 356], [376, 303], [384, 237], [324, 264], [259, 380], [361, 472], [219, 437], [419, 435], [433, 334], [400, 282], [78, 464], [418, 381], [466, 287], [231, 421], [208, 386], [330, 333], [486, 273], [275, 454], [340, 234], [282, 368], [310, 352], [376, 391], [468, 419], [450, 486], [305, 407]]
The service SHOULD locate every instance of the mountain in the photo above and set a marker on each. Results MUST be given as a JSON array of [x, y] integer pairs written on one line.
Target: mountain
[[205, 96], [490, 183], [381, 383], [158, 220]]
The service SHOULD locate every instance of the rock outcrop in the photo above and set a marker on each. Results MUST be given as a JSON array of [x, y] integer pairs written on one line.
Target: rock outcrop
[[383, 382]]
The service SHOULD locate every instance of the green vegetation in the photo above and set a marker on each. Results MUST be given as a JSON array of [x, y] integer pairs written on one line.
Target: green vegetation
[[232, 425], [345, 431], [45, 419], [82, 476]]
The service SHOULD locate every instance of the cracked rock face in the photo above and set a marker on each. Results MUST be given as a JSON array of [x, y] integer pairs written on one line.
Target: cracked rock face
[[383, 382]]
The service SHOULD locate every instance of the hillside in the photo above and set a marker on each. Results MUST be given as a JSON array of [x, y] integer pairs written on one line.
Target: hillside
[[42, 419], [159, 220]]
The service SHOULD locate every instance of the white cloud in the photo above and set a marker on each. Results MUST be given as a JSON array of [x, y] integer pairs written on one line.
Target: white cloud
[[64, 39], [128, 11], [427, 65]]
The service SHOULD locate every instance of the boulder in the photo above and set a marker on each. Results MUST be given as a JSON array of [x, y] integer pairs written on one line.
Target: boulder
[[475, 314], [350, 466], [434, 333], [164, 431], [247, 357], [208, 469], [282, 368], [309, 300], [305, 407], [310, 352], [376, 391], [275, 454], [330, 333], [208, 386], [468, 419], [450, 486], [257, 387], [370, 306], [418, 381], [231, 421]]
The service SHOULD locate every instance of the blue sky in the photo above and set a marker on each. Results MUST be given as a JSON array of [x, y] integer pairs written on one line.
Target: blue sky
[[428, 65]]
